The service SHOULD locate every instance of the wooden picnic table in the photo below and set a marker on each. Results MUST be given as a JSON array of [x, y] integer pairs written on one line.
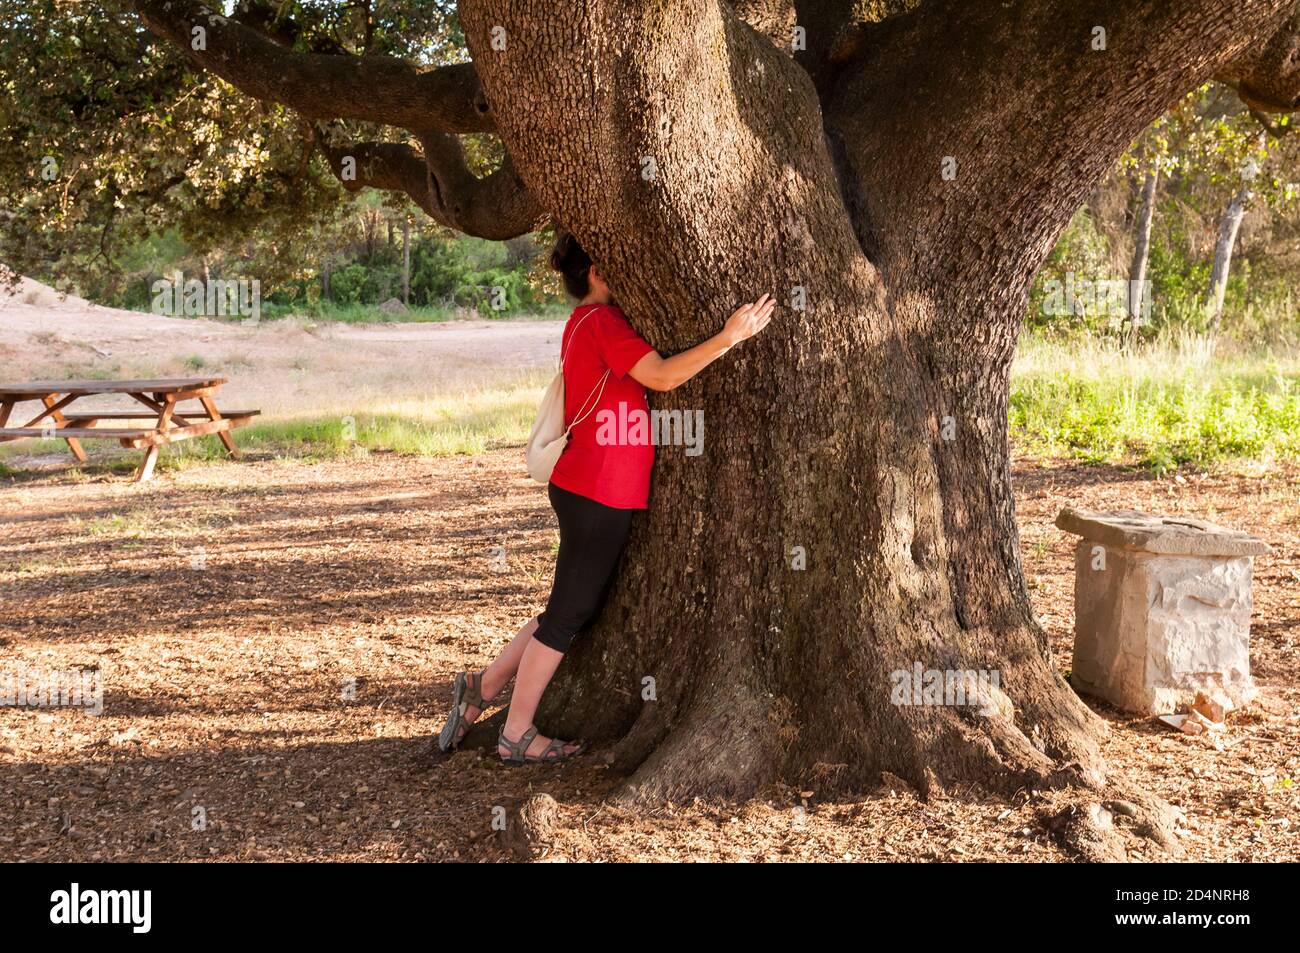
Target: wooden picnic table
[[159, 397]]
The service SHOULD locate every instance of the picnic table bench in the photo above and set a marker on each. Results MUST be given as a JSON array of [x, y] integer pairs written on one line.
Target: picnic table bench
[[159, 398]]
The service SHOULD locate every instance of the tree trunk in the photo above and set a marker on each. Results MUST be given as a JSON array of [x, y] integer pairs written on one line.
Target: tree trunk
[[406, 261], [1142, 250], [1229, 225], [326, 268], [843, 435]]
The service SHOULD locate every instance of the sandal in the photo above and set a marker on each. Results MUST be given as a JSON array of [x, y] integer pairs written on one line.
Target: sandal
[[553, 753], [466, 693]]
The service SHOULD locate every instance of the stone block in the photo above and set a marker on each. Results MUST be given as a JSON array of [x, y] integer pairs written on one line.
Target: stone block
[[1162, 609]]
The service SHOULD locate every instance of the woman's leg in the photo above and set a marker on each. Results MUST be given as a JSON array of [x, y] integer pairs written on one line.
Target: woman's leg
[[497, 675], [489, 684], [535, 672], [592, 537]]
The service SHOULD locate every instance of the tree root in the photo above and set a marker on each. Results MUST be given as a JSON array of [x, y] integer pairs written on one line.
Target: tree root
[[726, 745], [530, 827], [732, 742], [1099, 831]]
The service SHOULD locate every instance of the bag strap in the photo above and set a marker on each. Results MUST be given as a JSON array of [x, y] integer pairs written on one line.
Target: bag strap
[[584, 411], [594, 405], [575, 331]]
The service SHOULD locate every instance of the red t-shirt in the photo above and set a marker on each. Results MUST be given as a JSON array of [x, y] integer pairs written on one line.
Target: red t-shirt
[[606, 460]]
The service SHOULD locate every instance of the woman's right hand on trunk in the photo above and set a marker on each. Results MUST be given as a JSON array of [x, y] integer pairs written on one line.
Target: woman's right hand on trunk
[[748, 320]]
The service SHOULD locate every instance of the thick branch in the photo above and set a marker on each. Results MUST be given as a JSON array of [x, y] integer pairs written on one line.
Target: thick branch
[[966, 137], [323, 86], [1267, 77], [1024, 105], [830, 24], [496, 207], [392, 166]]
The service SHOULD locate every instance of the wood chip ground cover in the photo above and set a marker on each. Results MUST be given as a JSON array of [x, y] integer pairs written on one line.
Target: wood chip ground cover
[[277, 642]]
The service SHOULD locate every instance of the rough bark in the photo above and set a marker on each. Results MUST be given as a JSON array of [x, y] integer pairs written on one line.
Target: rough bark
[[1267, 75], [406, 261]]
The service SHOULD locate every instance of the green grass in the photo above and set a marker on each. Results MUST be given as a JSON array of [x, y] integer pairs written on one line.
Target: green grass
[[1175, 403], [135, 524], [356, 313], [464, 423], [147, 522]]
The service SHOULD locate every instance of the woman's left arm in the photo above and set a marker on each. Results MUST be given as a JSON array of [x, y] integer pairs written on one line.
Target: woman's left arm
[[665, 373]]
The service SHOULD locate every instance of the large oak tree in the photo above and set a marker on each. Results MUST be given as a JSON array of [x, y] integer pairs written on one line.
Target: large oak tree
[[895, 172]]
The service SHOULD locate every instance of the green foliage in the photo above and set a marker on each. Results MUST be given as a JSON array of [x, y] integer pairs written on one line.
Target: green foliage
[[1175, 404], [450, 273], [1206, 149], [355, 283], [120, 160], [109, 135], [1174, 275], [1082, 253]]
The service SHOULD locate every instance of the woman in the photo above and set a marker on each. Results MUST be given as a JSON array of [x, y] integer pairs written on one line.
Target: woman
[[594, 490]]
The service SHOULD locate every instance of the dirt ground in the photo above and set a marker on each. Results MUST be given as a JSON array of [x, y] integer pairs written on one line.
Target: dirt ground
[[277, 641], [283, 368]]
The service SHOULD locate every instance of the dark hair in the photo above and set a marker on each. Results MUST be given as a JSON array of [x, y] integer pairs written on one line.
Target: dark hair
[[573, 264]]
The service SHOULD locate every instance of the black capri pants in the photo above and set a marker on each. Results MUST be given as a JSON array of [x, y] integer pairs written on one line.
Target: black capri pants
[[592, 537]]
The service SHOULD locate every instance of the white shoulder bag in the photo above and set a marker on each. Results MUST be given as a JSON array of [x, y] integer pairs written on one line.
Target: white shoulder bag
[[549, 436]]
